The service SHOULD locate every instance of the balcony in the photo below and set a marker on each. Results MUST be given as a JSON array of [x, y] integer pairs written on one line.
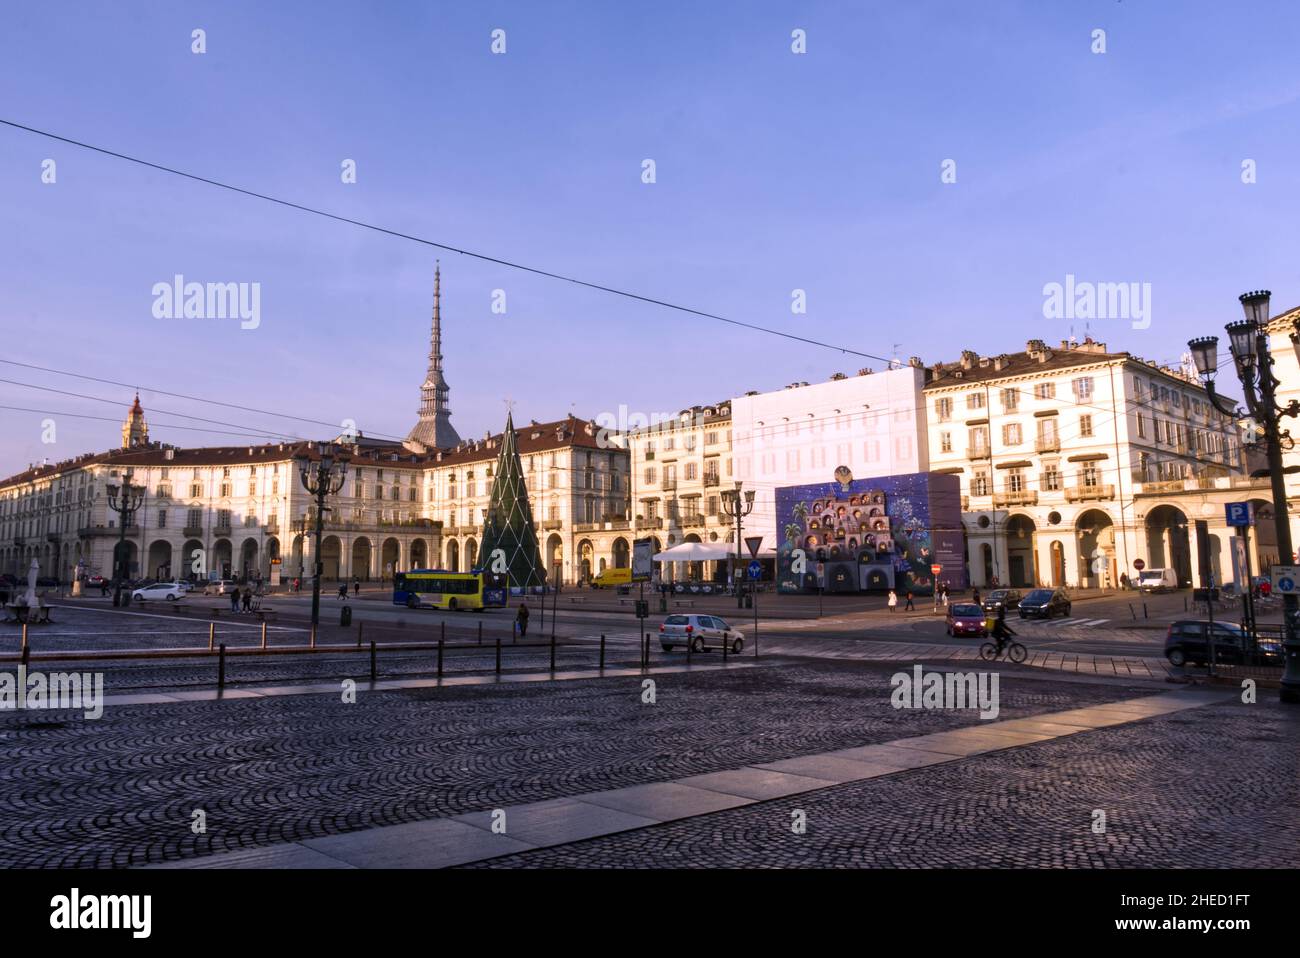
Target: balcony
[[221, 530], [551, 524], [710, 479], [87, 532], [1086, 492], [979, 452], [669, 485], [1002, 500], [192, 532], [1165, 485], [654, 522], [694, 521], [1048, 444]]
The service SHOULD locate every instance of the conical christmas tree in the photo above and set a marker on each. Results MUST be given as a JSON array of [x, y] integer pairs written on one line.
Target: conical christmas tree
[[509, 535]]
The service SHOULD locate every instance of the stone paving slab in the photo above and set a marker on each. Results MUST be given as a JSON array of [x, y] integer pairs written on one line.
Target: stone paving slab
[[832, 768], [288, 856], [439, 843], [893, 755], [665, 801], [757, 783], [558, 821]]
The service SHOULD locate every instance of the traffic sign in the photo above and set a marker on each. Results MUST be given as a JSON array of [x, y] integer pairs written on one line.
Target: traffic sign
[[935, 569], [1139, 564], [755, 569], [753, 542], [1286, 579], [1238, 513]]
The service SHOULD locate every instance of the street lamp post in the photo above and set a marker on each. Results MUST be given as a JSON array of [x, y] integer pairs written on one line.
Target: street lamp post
[[737, 505], [321, 478], [1248, 340], [125, 500], [300, 530]]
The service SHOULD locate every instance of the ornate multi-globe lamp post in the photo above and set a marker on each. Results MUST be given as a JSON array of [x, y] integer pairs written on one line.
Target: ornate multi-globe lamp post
[[322, 478], [738, 505], [1248, 341], [125, 500]]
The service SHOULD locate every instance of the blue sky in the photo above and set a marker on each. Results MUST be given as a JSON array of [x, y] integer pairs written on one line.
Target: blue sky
[[775, 172]]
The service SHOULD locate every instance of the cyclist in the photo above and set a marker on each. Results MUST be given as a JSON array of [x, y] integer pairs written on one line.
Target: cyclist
[[1002, 631]]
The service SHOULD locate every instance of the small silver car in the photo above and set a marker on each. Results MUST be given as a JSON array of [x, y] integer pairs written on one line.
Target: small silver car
[[699, 632]]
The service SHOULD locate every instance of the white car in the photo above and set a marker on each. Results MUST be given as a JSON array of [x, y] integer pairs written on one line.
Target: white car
[[700, 632], [171, 591]]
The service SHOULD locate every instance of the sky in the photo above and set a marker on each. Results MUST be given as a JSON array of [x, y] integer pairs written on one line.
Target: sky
[[775, 171]]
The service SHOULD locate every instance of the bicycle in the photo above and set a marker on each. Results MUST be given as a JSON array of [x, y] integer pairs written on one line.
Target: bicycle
[[991, 651]]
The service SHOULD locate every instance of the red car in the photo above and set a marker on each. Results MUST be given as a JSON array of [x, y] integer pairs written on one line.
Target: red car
[[966, 618]]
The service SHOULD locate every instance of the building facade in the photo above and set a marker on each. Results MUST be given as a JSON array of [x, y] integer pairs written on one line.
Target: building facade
[[1074, 462]]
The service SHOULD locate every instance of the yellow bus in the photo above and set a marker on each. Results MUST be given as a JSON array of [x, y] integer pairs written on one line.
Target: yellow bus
[[437, 589]]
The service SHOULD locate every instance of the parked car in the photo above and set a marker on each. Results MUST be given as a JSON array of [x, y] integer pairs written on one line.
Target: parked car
[[95, 581], [1002, 598], [1045, 604], [171, 591], [185, 584], [1185, 642], [966, 618], [219, 587], [1157, 580], [700, 632]]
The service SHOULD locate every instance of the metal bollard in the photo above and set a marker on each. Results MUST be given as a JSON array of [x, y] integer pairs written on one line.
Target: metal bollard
[[602, 650], [26, 657], [221, 667], [264, 635], [724, 648], [480, 633], [690, 639], [212, 636], [498, 655], [24, 636], [374, 673], [1132, 611], [360, 625], [440, 641], [313, 636], [552, 653], [1144, 611]]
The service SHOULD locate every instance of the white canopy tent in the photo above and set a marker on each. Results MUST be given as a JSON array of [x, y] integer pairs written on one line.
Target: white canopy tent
[[693, 552]]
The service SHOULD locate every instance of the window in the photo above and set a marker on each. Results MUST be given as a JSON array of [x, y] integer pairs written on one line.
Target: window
[[1142, 425], [1051, 477], [979, 483], [196, 490], [691, 470], [1090, 475], [710, 438], [162, 518], [195, 519], [1015, 480], [1085, 425], [1011, 434], [651, 476], [943, 408], [223, 518], [1010, 399], [974, 400], [1082, 389], [1045, 391], [978, 441], [945, 442]]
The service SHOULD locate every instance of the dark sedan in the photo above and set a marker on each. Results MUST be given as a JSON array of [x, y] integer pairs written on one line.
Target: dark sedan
[[1008, 599], [1045, 604], [1185, 642]]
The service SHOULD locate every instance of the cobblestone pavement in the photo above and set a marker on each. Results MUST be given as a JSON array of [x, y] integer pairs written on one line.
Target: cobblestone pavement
[[121, 790], [1217, 786]]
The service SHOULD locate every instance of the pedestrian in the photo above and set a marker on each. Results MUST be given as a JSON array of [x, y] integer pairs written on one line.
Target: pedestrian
[[944, 590], [909, 607], [248, 600], [234, 599], [343, 591], [975, 595], [521, 619], [893, 600], [356, 586]]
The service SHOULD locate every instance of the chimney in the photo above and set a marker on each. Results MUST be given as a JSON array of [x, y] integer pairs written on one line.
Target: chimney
[[915, 362], [835, 377], [969, 358]]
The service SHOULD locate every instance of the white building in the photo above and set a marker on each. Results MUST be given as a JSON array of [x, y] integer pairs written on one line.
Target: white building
[[1075, 462], [872, 424]]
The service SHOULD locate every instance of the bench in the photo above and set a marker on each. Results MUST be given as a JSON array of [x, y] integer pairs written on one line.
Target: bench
[[15, 613]]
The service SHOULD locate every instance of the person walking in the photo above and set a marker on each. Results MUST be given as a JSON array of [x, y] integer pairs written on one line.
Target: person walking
[[234, 599], [893, 600], [356, 587], [521, 619], [944, 590], [343, 591], [975, 595], [248, 600], [909, 607]]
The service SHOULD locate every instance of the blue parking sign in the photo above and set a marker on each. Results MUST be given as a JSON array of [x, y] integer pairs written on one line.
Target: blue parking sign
[[1238, 513]]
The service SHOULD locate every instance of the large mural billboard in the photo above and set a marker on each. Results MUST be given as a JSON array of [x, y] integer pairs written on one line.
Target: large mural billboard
[[871, 535]]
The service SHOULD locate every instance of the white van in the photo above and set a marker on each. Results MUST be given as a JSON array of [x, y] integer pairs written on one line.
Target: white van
[[1157, 580]]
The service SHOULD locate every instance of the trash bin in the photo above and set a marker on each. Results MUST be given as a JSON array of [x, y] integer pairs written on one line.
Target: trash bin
[[345, 615], [749, 601]]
